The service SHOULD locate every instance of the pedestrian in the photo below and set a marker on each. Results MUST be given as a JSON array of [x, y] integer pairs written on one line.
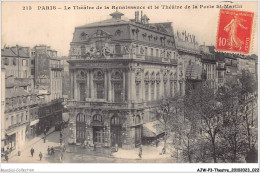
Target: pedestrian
[[60, 134], [6, 157], [61, 156], [49, 150], [52, 150], [40, 155], [85, 144], [140, 151], [157, 142], [116, 147], [60, 141], [44, 139], [32, 151], [163, 150], [95, 147], [64, 148]]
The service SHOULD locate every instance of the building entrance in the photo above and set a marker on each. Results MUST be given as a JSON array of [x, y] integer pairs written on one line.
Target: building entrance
[[116, 131], [80, 128]]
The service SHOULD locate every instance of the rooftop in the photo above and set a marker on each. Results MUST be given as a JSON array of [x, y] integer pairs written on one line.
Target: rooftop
[[16, 92], [143, 21]]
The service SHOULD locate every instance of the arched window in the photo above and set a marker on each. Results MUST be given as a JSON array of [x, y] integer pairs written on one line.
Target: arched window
[[83, 50], [115, 120], [80, 118], [118, 49], [137, 119], [99, 78], [97, 117]]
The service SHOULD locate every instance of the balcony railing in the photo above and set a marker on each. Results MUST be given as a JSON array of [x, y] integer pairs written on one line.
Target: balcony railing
[[13, 126], [56, 66], [128, 56], [112, 105], [220, 80], [188, 50], [219, 67]]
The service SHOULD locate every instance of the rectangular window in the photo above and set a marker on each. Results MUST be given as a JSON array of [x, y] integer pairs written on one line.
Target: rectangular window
[[146, 91], [12, 120], [157, 52], [17, 119], [145, 51], [100, 90], [151, 51], [138, 91], [14, 61], [165, 89], [22, 118], [158, 90], [82, 90], [24, 62], [118, 92], [32, 71], [171, 89], [152, 91], [32, 61], [6, 61]]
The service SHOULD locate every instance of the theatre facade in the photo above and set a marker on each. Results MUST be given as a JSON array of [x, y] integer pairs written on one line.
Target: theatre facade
[[119, 71]]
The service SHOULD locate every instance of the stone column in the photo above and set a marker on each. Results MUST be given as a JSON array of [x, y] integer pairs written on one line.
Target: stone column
[[91, 87], [129, 83], [105, 83], [133, 88], [109, 88], [87, 85], [71, 84], [75, 86], [124, 86]]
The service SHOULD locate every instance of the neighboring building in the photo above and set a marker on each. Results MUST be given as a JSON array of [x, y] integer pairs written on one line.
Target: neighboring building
[[65, 77], [16, 117], [16, 61], [3, 134], [119, 70], [191, 71], [48, 82], [209, 66]]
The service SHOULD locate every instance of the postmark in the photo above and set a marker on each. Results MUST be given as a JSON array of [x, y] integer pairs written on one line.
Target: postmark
[[234, 31]]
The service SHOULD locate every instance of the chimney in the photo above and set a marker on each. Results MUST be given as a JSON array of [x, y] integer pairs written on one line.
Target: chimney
[[141, 17], [116, 15]]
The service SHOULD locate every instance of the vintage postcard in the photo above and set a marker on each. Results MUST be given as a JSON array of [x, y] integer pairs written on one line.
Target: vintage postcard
[[129, 82]]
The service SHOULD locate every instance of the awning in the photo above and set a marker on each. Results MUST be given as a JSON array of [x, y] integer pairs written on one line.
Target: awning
[[34, 122], [153, 129]]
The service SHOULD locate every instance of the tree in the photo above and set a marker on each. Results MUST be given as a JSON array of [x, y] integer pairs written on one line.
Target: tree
[[201, 105], [232, 143], [248, 95], [168, 113]]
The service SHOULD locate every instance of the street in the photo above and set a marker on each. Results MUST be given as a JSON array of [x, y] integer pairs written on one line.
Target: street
[[78, 155]]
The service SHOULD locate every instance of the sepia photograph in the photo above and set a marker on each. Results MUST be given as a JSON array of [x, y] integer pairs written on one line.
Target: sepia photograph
[[129, 82]]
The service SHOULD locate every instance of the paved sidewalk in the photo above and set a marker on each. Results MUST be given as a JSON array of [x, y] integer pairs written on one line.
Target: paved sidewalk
[[30, 143], [149, 152]]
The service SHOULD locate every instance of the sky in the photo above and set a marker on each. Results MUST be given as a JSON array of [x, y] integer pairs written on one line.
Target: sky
[[30, 24]]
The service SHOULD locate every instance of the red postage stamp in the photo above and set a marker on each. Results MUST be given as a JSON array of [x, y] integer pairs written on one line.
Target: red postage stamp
[[234, 31]]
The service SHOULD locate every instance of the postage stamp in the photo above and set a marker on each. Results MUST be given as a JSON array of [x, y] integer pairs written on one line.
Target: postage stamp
[[234, 31]]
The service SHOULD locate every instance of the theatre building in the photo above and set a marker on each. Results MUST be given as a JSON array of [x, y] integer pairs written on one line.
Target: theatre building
[[119, 70]]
